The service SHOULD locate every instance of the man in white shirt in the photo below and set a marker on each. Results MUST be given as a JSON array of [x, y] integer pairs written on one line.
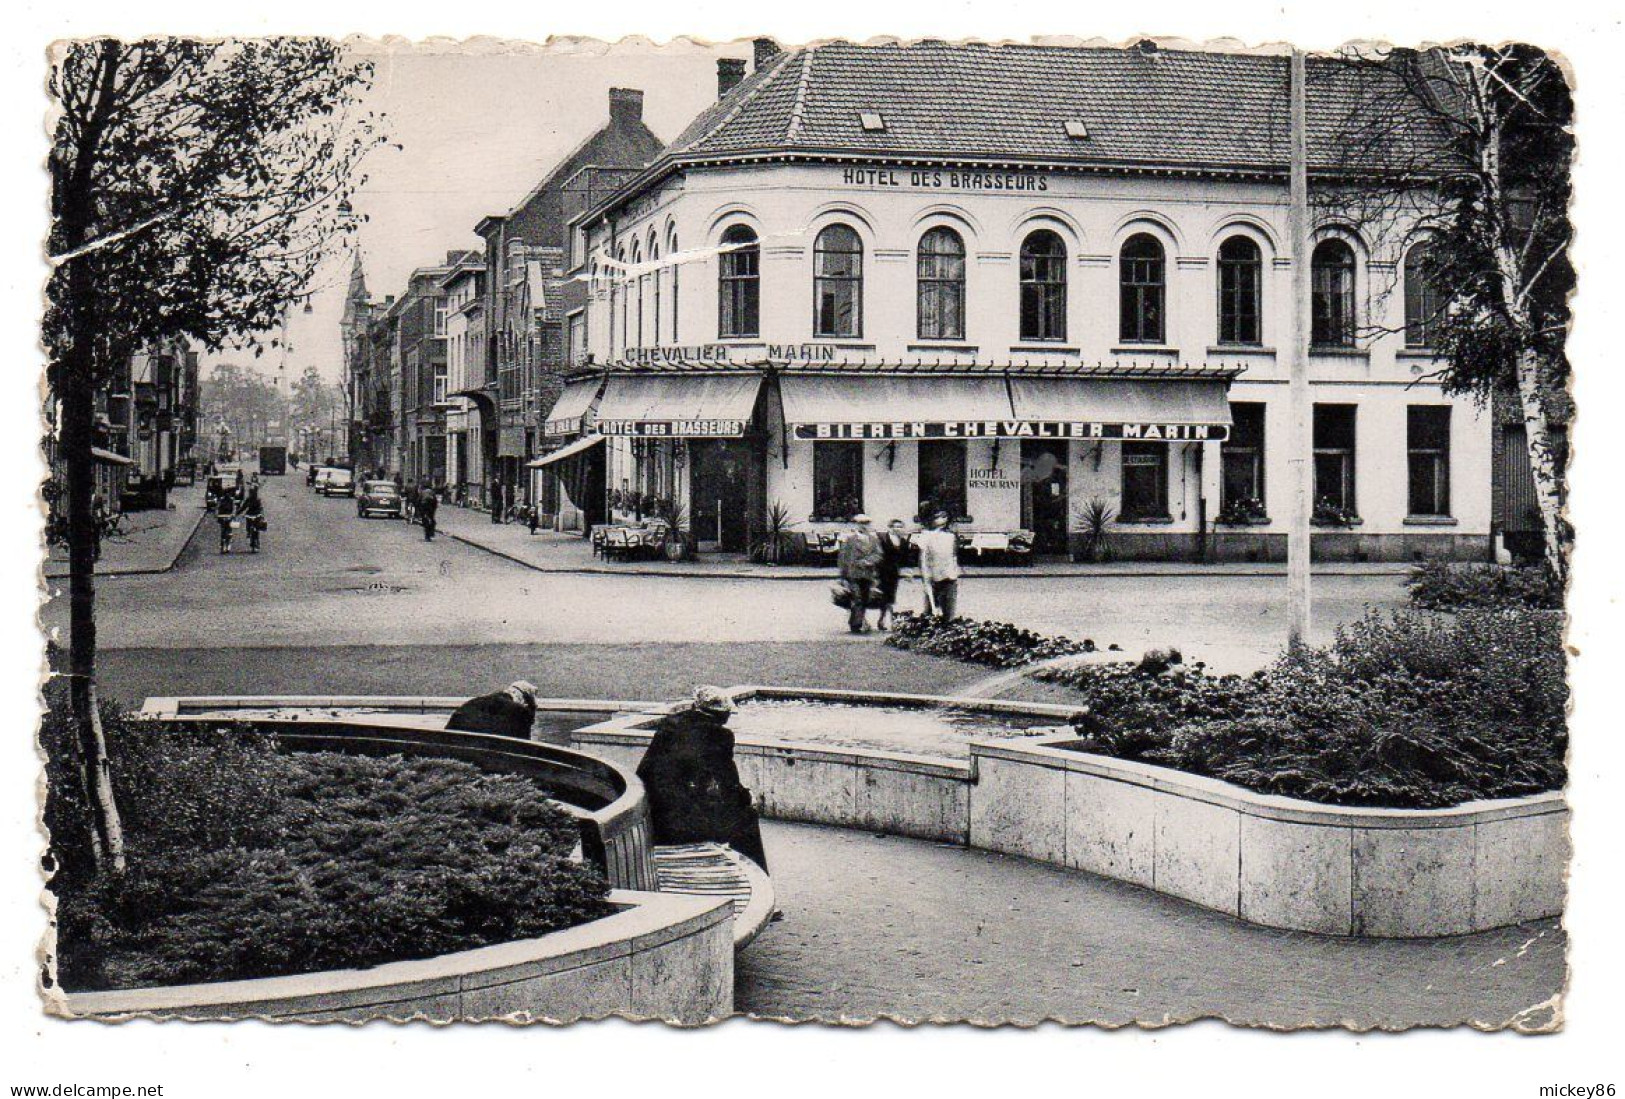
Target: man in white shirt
[[939, 564]]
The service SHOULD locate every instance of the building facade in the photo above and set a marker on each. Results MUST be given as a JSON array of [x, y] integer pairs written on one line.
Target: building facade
[[465, 345], [1044, 289]]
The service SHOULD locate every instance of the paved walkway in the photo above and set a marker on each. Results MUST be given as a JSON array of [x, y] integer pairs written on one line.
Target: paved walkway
[[152, 543], [883, 927], [551, 551]]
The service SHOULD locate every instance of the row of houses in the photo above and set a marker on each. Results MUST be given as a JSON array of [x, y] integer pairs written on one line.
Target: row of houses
[[1031, 286]]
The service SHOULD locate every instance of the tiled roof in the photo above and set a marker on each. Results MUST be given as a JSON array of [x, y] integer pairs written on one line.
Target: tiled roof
[[1164, 108]]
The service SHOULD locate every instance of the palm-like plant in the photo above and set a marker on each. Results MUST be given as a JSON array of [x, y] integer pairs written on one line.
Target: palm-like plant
[[1094, 522], [775, 534]]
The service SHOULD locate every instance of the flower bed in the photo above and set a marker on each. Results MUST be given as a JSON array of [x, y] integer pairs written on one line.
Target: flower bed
[[245, 862], [993, 644], [1404, 711], [1447, 586]]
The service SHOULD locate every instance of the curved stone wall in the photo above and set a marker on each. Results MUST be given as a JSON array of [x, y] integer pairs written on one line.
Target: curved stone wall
[[662, 956]]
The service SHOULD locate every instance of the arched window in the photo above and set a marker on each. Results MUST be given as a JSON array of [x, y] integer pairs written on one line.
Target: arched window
[[654, 258], [618, 279], [940, 270], [1422, 303], [1142, 290], [1043, 286], [739, 284], [1332, 295], [838, 282], [637, 289], [1241, 270]]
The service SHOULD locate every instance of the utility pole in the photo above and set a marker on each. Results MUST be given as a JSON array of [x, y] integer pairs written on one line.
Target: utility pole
[[1300, 439]]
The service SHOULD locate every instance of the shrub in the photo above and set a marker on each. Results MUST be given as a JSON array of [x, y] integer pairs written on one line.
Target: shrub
[[1443, 585], [1406, 711], [994, 644], [246, 862]]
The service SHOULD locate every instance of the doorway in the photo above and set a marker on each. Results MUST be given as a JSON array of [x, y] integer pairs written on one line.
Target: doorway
[[719, 493], [1043, 493]]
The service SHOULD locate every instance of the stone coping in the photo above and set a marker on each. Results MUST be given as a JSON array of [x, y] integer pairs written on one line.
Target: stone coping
[[643, 922], [1267, 806], [174, 706]]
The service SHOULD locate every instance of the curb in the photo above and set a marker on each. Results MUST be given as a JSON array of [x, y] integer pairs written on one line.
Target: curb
[[994, 573], [159, 571]]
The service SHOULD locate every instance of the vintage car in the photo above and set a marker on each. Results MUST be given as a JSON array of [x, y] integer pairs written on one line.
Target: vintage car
[[380, 498], [335, 482]]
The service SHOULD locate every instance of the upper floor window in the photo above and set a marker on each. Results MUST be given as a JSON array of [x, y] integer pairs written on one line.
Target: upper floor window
[[1332, 295], [1241, 271], [654, 257], [440, 317], [1422, 303], [941, 292], [1043, 286], [1142, 288], [671, 251], [739, 285], [838, 282]]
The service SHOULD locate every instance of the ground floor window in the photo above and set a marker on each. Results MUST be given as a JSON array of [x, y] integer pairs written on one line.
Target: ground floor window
[[942, 478], [1145, 482], [1241, 486], [1427, 433], [837, 480], [1334, 461]]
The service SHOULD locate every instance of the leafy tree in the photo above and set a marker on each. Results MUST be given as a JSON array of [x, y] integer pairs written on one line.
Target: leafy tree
[[195, 186], [1471, 147]]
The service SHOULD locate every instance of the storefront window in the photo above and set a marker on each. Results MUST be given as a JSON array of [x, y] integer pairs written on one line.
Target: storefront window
[[1043, 286], [941, 274], [1240, 277], [1141, 290], [1421, 300], [837, 480], [1332, 297], [1145, 481], [739, 288], [1334, 461], [942, 478], [1428, 437], [1241, 487], [838, 282]]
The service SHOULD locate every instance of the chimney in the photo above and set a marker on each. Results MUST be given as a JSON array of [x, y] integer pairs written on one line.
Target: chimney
[[765, 49], [625, 105], [730, 71]]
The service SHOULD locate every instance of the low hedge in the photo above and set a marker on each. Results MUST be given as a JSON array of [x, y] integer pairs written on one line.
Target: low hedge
[[244, 861], [992, 644], [1405, 710], [1448, 586]]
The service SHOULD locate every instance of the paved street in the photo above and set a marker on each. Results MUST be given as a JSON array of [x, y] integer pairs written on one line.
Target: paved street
[[326, 578], [875, 925]]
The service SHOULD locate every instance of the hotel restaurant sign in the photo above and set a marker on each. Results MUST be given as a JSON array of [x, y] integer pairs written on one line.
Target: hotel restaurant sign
[[1015, 429]]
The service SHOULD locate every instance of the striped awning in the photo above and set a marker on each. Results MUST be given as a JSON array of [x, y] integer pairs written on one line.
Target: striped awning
[[819, 406], [569, 415]]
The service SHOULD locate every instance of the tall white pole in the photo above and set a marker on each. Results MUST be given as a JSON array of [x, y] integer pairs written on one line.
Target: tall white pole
[[1301, 439]]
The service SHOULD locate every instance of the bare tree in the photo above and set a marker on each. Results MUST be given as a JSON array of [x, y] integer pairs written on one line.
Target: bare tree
[[1470, 147], [194, 188]]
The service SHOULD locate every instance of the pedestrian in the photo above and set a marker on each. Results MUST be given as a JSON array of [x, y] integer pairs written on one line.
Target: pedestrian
[[939, 565], [225, 513], [534, 515], [428, 505], [510, 712], [496, 499], [859, 561], [894, 552], [409, 501], [692, 782]]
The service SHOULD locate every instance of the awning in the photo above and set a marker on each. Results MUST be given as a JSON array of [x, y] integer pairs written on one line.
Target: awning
[[568, 451], [678, 406], [107, 457], [572, 407], [1104, 408], [888, 407]]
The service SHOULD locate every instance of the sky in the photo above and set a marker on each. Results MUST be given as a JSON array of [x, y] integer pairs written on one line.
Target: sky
[[472, 127]]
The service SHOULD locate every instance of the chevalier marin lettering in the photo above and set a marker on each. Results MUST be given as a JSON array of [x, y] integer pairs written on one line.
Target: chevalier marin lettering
[[1012, 429]]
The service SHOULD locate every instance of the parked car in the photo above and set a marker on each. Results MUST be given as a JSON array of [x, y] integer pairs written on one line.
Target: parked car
[[335, 482], [380, 498]]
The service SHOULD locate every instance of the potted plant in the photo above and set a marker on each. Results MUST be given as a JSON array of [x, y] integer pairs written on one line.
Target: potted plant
[[1094, 522], [677, 537], [1247, 512], [1329, 514], [775, 535]]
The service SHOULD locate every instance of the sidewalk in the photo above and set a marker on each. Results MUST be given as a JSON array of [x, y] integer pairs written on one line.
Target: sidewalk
[[153, 543], [550, 551]]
